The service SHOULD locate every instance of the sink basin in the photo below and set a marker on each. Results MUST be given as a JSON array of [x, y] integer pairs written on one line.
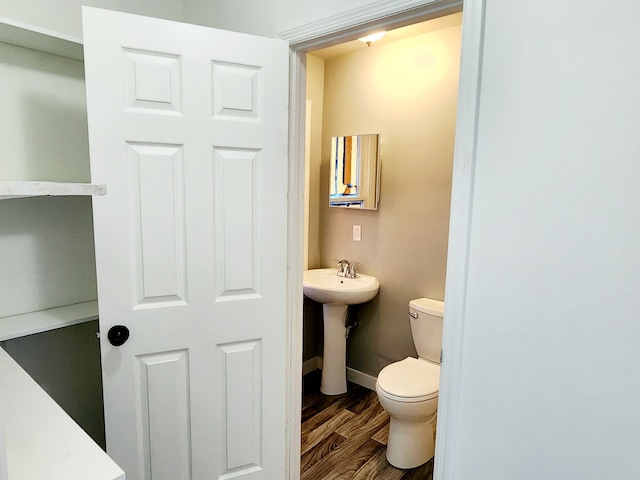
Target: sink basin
[[324, 286]]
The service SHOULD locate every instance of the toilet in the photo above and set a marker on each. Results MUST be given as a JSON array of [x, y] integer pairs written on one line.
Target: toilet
[[408, 389]]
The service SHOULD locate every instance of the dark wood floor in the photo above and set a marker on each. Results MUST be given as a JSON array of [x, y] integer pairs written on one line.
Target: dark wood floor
[[344, 437]]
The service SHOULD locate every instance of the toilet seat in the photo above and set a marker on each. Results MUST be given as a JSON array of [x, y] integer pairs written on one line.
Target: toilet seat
[[409, 380]]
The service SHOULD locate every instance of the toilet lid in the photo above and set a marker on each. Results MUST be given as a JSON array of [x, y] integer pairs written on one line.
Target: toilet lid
[[410, 378]]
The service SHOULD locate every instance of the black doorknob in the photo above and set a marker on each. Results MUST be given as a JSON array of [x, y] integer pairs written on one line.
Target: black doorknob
[[117, 335]]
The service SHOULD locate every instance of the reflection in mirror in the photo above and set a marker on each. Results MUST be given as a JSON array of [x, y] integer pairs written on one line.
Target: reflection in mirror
[[355, 171]]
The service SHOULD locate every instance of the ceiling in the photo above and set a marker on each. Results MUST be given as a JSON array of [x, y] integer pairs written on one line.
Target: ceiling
[[391, 36]]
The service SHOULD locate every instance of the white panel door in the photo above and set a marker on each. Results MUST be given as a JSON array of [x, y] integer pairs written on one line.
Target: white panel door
[[188, 130]]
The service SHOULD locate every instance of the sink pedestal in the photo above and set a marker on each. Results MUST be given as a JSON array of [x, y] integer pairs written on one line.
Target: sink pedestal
[[334, 356], [336, 293]]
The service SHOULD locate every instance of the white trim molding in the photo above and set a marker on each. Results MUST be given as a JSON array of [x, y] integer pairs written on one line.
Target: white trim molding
[[351, 24], [295, 261], [459, 234]]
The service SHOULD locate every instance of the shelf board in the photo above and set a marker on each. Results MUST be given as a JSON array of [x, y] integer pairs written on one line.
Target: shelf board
[[10, 190], [45, 320], [41, 39]]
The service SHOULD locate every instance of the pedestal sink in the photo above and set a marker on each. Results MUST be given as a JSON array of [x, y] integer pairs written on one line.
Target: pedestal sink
[[336, 294]]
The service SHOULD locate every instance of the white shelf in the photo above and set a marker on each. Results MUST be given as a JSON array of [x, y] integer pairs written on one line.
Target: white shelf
[[10, 190], [36, 38], [45, 320], [41, 440]]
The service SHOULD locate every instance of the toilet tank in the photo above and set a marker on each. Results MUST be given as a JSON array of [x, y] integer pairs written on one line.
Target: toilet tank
[[425, 316]]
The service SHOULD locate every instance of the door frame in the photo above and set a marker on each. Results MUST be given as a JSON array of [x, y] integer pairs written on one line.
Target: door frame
[[350, 25]]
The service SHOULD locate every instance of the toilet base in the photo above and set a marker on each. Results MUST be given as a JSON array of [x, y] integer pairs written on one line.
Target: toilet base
[[411, 443]]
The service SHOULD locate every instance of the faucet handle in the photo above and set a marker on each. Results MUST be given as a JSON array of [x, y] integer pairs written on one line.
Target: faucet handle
[[352, 270], [343, 268]]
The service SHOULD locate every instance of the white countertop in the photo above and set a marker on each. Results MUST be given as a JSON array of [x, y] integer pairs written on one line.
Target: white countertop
[[41, 440]]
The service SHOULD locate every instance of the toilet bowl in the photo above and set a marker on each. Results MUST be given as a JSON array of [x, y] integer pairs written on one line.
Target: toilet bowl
[[408, 389]]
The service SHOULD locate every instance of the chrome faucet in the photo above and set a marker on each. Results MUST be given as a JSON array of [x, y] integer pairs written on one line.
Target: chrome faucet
[[346, 269]]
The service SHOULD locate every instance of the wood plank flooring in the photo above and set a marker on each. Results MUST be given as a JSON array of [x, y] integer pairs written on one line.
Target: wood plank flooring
[[344, 437]]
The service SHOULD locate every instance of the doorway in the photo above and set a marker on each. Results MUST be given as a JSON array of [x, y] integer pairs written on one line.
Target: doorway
[[300, 47]]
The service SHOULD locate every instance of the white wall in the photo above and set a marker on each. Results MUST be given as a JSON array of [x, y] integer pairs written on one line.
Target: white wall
[[263, 17], [44, 117], [46, 244], [550, 387], [65, 16]]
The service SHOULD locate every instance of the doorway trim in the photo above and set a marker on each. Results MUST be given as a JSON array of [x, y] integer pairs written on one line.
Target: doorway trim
[[341, 28]]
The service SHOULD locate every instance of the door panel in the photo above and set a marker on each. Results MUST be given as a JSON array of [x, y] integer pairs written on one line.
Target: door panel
[[240, 382], [188, 130], [163, 383], [157, 193], [235, 182]]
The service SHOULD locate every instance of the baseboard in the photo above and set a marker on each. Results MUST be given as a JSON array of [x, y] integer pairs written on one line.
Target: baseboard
[[354, 376], [362, 379], [310, 365]]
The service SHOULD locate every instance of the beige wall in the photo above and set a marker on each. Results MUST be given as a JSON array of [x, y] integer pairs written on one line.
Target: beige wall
[[312, 331], [315, 93], [406, 91]]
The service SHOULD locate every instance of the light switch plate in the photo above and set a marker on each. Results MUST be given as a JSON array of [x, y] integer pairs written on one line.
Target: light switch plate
[[357, 233]]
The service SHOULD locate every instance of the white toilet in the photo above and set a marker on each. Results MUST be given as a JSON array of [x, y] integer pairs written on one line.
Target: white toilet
[[408, 389]]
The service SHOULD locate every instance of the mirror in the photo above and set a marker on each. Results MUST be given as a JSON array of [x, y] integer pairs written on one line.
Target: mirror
[[354, 179]]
